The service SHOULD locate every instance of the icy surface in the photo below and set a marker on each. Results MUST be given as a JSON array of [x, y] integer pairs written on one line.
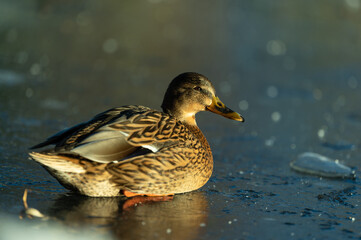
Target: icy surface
[[291, 68]]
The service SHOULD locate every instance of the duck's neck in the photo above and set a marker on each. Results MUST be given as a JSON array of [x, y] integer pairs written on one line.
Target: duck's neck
[[188, 118]]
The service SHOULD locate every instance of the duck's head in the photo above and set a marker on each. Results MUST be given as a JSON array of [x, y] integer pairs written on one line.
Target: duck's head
[[190, 93]]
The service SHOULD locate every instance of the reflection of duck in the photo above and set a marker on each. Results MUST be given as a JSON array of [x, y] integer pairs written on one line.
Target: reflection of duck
[[75, 210], [136, 150], [181, 218]]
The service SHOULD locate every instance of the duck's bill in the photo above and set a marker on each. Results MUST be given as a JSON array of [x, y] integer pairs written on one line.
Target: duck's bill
[[219, 108]]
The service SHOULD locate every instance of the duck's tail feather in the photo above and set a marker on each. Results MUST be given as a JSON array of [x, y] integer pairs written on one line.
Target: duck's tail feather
[[58, 162]]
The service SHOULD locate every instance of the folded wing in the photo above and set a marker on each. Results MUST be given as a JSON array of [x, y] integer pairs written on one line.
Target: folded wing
[[117, 134]]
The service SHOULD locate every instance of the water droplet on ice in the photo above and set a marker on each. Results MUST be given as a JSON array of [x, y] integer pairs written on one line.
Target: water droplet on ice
[[243, 105], [110, 45], [276, 116], [276, 47], [321, 133], [272, 91]]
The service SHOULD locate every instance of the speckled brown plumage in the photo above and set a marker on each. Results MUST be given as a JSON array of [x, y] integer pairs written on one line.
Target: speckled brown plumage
[[138, 149]]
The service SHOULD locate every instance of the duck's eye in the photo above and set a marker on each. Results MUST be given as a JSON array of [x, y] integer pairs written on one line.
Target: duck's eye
[[197, 88]]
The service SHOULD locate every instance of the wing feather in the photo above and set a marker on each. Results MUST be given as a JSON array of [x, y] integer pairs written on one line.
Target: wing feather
[[117, 134]]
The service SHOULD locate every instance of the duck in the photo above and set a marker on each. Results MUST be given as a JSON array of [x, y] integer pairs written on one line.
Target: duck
[[138, 151]]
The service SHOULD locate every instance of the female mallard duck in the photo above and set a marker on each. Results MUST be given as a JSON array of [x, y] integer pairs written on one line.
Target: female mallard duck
[[135, 150]]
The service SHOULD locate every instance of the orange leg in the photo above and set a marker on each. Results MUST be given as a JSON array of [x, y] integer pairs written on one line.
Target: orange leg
[[131, 194], [143, 200]]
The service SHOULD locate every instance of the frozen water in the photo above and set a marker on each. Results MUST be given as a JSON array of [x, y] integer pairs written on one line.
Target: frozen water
[[290, 67]]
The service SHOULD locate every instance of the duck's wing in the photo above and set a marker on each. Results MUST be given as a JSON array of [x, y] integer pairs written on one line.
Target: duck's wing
[[118, 134], [70, 137]]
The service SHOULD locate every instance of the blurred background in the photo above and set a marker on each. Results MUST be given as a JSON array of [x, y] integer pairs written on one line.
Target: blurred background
[[291, 68]]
